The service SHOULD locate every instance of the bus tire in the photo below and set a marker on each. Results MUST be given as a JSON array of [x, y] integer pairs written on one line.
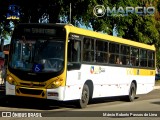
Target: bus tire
[[82, 103], [132, 92]]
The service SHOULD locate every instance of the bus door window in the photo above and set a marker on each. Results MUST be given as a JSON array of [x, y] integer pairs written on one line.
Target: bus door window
[[74, 51]]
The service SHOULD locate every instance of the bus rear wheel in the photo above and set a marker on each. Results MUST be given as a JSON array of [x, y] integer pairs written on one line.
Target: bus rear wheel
[[82, 103], [132, 92]]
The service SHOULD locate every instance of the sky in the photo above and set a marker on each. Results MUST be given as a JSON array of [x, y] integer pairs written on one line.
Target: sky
[[7, 41], [90, 28]]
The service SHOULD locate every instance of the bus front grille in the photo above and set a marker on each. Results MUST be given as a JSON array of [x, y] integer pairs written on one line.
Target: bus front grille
[[30, 91], [33, 84]]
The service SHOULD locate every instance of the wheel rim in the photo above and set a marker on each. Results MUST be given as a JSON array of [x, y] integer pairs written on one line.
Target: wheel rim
[[132, 92], [84, 96]]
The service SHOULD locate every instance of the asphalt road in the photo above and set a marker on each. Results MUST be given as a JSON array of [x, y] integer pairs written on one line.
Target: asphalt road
[[149, 102]]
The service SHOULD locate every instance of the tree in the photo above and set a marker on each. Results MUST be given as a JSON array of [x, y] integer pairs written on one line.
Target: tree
[[4, 24]]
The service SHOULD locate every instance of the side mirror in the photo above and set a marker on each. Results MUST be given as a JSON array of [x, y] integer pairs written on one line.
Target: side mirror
[[73, 66]]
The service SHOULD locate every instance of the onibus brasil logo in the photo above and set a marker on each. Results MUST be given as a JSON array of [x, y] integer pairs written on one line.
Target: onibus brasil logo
[[100, 11]]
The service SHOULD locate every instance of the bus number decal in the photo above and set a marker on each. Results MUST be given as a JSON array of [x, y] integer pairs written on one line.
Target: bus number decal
[[130, 72]]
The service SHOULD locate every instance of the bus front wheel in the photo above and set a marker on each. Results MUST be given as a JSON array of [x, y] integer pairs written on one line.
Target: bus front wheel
[[82, 103]]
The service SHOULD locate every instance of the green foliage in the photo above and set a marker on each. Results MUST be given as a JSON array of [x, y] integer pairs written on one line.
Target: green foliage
[[4, 31], [4, 24]]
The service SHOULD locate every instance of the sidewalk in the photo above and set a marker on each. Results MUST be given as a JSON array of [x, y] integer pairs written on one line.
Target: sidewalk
[[157, 84], [156, 87]]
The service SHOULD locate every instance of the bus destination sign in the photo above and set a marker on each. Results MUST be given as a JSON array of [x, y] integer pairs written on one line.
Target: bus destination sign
[[40, 31]]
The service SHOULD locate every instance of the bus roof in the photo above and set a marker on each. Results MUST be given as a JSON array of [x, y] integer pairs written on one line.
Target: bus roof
[[103, 36]]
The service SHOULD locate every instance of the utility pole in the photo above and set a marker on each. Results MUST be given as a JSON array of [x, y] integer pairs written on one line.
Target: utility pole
[[70, 14]]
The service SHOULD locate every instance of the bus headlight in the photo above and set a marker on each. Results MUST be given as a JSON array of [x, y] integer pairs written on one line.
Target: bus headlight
[[55, 84], [11, 80]]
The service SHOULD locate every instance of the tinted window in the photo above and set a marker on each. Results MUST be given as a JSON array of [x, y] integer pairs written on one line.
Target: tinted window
[[101, 51], [143, 58], [114, 57], [134, 56], [88, 50]]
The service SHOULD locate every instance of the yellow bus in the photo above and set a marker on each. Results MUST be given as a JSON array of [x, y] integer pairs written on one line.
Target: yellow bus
[[62, 62]]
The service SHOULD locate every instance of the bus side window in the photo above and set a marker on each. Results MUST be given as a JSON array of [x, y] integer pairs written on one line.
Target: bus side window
[[151, 59], [143, 57], [111, 58], [88, 50], [118, 60], [135, 56]]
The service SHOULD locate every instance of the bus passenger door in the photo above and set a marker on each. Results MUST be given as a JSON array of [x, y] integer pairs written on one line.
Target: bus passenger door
[[73, 80]]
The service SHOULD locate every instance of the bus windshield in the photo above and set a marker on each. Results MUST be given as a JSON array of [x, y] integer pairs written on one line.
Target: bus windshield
[[37, 55]]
